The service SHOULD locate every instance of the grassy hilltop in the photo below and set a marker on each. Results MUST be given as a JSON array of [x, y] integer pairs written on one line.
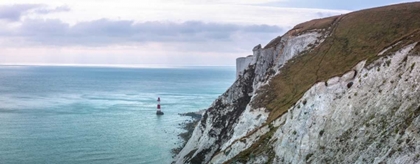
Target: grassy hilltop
[[355, 37]]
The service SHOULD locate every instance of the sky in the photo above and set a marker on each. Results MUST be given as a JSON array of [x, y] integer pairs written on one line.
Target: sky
[[158, 33]]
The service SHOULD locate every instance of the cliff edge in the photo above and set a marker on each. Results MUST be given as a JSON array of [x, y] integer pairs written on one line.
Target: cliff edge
[[342, 89]]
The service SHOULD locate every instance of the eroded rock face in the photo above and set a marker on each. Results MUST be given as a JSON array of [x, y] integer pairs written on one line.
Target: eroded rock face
[[231, 117], [377, 119], [369, 114], [242, 64], [217, 124]]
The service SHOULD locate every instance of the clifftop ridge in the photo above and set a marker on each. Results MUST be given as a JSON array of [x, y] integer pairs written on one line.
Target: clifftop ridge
[[327, 85]]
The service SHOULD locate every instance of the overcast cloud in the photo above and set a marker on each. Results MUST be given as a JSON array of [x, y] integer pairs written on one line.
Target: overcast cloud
[[45, 10], [172, 32], [103, 32], [16, 11]]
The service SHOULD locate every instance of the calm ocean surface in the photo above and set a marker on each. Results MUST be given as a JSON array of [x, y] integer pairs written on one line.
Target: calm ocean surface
[[100, 115]]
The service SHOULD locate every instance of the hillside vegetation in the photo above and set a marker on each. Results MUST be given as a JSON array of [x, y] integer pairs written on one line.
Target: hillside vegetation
[[365, 118], [354, 37]]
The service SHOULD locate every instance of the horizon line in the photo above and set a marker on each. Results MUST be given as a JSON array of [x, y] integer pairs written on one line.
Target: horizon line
[[112, 65]]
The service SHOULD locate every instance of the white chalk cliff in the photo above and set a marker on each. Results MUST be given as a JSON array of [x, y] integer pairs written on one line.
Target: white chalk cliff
[[368, 112]]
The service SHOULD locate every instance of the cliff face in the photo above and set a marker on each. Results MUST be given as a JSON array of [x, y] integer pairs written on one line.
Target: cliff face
[[343, 89]]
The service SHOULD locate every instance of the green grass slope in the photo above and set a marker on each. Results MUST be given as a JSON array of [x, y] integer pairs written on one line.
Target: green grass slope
[[355, 37]]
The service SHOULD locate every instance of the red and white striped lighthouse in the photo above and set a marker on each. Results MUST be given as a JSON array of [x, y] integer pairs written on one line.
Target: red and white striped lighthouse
[[158, 111]]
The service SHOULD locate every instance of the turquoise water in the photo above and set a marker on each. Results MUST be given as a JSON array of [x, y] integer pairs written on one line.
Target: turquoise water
[[100, 115]]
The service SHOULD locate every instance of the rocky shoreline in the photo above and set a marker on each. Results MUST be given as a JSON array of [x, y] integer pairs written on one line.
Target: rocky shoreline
[[188, 126]]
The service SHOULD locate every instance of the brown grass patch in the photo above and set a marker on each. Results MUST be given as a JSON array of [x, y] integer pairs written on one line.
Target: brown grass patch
[[355, 37], [322, 23]]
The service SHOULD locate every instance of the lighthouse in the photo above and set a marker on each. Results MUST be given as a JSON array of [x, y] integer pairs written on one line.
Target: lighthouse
[[158, 111]]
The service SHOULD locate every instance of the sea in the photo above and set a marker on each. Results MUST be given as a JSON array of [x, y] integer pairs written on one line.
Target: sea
[[68, 115]]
